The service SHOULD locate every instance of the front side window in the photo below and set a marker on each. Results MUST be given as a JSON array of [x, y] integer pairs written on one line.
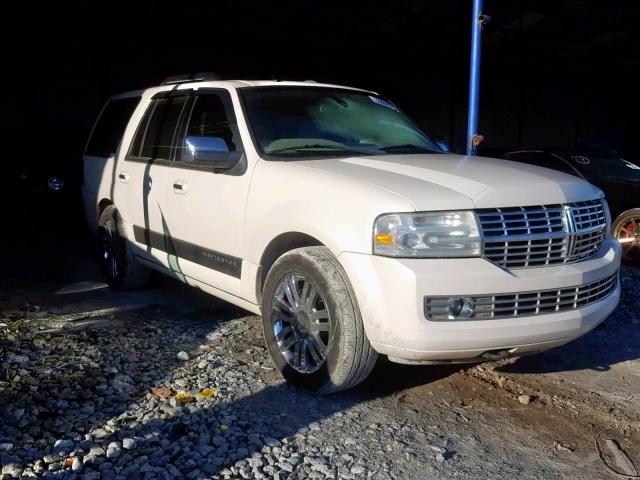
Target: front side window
[[211, 129], [109, 129], [157, 130], [319, 121]]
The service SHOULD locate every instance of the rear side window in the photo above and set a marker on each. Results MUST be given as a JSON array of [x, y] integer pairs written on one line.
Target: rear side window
[[110, 127], [156, 132]]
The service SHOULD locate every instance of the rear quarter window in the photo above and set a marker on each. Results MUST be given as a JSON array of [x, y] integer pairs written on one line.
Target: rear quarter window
[[110, 127]]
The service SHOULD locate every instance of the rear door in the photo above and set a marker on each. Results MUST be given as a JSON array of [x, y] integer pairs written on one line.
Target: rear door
[[205, 207], [142, 176], [100, 154]]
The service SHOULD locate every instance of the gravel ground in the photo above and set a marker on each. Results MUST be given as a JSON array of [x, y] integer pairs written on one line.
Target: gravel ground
[[168, 383]]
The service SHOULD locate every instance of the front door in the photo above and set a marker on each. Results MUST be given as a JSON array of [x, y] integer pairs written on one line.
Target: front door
[[204, 207]]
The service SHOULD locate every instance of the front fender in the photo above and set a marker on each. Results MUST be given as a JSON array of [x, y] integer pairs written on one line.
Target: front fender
[[337, 211]]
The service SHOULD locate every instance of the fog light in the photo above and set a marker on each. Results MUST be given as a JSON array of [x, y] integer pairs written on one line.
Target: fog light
[[460, 308]]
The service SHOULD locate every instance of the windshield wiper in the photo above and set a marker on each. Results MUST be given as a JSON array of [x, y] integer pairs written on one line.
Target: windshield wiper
[[409, 148], [329, 149]]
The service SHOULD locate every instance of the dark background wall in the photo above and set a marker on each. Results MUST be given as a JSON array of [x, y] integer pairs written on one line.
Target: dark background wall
[[552, 70]]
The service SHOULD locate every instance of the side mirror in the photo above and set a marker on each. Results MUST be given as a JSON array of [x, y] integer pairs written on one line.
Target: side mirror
[[209, 152]]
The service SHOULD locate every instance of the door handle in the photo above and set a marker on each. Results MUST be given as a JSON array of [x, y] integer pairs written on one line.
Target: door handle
[[124, 177], [180, 187]]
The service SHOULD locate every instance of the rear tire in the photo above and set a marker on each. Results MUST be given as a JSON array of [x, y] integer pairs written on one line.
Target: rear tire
[[626, 228], [119, 266], [312, 325]]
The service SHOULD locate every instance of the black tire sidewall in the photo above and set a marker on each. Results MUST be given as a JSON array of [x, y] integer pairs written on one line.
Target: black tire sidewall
[[118, 246], [301, 264]]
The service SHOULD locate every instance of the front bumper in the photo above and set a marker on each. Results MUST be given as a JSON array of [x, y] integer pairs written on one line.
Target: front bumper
[[391, 293]]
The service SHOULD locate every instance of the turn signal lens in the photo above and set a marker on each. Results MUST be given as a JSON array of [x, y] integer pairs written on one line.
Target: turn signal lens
[[384, 239]]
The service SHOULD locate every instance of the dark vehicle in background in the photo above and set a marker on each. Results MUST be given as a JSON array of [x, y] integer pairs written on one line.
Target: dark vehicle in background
[[618, 178], [43, 182]]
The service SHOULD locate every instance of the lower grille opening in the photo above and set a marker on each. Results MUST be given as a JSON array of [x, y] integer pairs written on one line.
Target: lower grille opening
[[521, 304]]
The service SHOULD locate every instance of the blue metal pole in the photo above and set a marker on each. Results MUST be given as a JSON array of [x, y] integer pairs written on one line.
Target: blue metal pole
[[474, 75]]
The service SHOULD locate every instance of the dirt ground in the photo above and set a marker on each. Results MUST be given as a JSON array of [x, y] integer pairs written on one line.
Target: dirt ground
[[551, 415]]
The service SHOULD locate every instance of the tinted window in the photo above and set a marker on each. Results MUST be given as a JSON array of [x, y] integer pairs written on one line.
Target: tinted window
[[107, 133], [157, 130], [211, 117]]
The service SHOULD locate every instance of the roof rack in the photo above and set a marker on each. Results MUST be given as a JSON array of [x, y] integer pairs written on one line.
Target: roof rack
[[191, 77]]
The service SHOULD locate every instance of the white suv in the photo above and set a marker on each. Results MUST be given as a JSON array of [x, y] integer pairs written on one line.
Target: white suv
[[328, 212]]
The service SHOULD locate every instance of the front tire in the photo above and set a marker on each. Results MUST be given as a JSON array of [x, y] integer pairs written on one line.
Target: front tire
[[118, 265], [626, 229], [311, 322]]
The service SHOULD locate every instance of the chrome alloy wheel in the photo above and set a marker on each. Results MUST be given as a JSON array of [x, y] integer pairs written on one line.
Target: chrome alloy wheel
[[628, 234], [301, 323]]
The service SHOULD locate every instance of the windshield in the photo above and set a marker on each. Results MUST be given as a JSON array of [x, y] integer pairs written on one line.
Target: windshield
[[317, 121]]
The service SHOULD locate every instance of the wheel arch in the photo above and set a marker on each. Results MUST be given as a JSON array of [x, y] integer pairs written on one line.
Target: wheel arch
[[102, 206], [277, 247]]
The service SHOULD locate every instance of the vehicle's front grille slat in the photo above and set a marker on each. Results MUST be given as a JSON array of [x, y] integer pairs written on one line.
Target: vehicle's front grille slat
[[524, 304], [541, 235]]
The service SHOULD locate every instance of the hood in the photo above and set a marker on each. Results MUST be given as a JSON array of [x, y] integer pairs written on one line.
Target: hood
[[448, 182]]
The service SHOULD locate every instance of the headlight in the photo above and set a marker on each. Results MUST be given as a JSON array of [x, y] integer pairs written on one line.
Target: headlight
[[432, 234]]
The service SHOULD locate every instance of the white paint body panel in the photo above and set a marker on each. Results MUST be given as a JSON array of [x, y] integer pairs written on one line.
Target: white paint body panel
[[336, 201], [454, 182]]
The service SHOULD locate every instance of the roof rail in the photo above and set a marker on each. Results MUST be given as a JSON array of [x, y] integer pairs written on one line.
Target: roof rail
[[281, 80], [191, 77]]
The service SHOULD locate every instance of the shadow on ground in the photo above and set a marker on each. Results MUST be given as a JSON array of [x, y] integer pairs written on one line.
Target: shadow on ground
[[94, 375]]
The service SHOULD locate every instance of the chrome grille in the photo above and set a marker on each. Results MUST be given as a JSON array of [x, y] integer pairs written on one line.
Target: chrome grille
[[587, 215], [526, 304], [586, 245], [535, 236]]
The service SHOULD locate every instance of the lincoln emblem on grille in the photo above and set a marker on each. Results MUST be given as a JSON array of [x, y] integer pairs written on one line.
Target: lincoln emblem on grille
[[570, 228]]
